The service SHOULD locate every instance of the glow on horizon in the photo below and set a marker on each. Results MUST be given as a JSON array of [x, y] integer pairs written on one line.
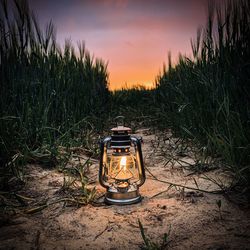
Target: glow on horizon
[[134, 37]]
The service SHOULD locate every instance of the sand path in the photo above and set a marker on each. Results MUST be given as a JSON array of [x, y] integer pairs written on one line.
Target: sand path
[[193, 216]]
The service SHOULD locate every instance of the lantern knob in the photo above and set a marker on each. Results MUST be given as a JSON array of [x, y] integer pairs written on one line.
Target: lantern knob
[[119, 120], [120, 129]]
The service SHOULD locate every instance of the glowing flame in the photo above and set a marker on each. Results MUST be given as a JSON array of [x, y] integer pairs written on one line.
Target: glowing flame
[[123, 162]]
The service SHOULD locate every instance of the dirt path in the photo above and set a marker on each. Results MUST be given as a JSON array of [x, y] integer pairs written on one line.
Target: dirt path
[[194, 217]]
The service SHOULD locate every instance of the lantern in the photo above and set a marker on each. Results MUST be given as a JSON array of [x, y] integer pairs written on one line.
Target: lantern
[[121, 169]]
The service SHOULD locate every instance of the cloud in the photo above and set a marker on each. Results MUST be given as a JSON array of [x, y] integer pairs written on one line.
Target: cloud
[[121, 15], [133, 35]]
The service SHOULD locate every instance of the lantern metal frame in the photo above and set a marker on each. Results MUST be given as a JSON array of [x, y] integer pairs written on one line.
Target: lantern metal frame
[[130, 193]]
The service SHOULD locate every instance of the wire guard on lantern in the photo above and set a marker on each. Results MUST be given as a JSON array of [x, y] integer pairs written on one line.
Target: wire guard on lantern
[[121, 169]]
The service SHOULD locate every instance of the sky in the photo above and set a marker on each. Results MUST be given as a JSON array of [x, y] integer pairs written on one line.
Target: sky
[[132, 36]]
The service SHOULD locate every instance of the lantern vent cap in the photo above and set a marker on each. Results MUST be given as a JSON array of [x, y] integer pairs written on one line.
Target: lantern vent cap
[[121, 129]]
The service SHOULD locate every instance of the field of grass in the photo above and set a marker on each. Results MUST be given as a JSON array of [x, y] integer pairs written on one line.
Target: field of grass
[[207, 98], [52, 96]]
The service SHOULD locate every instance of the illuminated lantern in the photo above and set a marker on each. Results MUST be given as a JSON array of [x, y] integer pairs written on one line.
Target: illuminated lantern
[[121, 167]]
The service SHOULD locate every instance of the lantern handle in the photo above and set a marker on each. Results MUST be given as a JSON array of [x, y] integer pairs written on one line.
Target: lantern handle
[[103, 145], [119, 120], [137, 142]]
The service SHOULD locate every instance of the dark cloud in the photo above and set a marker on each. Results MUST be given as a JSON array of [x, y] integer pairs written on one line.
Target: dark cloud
[[120, 14]]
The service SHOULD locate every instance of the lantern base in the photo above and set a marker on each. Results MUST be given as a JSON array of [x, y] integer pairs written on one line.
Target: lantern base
[[117, 198]]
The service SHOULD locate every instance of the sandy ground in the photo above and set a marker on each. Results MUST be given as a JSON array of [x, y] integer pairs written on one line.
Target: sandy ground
[[193, 216]]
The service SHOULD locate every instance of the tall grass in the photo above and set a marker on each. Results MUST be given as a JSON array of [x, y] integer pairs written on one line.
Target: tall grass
[[133, 103], [208, 97], [46, 93]]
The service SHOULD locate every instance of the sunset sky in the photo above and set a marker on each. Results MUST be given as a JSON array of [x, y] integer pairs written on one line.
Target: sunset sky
[[133, 36]]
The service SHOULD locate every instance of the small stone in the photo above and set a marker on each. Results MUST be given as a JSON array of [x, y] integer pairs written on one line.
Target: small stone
[[159, 218]]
